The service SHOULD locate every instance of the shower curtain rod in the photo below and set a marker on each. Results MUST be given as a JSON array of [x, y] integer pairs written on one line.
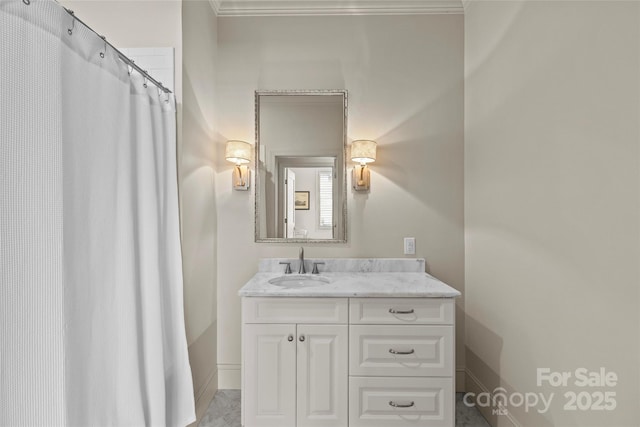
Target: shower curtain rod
[[121, 55]]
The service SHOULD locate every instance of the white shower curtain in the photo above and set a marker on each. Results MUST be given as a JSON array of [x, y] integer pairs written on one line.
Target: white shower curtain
[[92, 324]]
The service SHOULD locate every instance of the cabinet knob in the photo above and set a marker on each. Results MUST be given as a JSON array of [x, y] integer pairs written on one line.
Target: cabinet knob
[[290, 338], [301, 338]]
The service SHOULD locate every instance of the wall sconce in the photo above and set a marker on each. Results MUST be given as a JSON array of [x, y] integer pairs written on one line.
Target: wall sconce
[[239, 152], [362, 151]]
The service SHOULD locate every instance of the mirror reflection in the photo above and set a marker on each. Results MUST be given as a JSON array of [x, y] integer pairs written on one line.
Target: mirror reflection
[[300, 168]]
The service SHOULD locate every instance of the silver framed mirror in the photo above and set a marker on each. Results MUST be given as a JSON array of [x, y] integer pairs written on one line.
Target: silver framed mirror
[[300, 166]]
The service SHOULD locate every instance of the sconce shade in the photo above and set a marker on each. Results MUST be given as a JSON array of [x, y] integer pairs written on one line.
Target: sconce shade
[[238, 152], [363, 151]]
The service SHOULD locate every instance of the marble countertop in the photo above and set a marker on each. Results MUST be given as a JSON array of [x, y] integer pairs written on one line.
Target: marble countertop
[[353, 284]]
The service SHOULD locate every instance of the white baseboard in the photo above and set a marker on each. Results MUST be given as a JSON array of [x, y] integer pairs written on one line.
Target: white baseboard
[[461, 379], [474, 385], [229, 376], [205, 397]]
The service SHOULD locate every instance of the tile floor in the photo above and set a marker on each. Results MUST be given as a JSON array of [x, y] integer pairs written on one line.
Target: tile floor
[[224, 411]]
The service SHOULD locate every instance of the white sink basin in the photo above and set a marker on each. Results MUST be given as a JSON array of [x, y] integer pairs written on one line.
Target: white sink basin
[[299, 281]]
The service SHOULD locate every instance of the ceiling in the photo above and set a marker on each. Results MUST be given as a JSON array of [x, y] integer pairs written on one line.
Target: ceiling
[[335, 7]]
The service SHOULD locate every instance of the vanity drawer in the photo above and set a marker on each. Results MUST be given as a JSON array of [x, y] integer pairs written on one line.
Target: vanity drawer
[[418, 402], [295, 310], [417, 311], [396, 350]]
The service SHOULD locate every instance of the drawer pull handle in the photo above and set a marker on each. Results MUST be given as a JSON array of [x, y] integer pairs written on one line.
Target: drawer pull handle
[[394, 311], [290, 338], [392, 351], [401, 405]]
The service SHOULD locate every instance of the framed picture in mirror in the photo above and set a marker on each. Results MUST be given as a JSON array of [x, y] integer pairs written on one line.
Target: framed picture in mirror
[[302, 200]]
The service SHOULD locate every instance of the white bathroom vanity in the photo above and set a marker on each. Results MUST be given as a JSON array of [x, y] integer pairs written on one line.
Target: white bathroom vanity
[[364, 343]]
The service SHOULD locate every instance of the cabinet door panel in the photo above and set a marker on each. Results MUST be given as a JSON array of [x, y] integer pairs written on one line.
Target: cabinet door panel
[[270, 376], [322, 376]]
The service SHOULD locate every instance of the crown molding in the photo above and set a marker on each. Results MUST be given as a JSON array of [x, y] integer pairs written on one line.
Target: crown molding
[[215, 5], [336, 7]]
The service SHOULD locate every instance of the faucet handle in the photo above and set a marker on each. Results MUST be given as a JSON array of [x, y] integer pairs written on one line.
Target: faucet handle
[[288, 269], [315, 267]]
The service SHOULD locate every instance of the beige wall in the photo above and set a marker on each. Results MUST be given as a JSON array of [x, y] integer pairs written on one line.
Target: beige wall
[[404, 75], [551, 200], [197, 178]]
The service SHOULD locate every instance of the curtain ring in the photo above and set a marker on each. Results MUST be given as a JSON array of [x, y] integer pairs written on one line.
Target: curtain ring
[[27, 2], [129, 69], [73, 22], [145, 81], [105, 46], [162, 94]]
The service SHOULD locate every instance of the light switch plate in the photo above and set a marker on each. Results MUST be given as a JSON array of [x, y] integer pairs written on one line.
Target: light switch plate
[[409, 245]]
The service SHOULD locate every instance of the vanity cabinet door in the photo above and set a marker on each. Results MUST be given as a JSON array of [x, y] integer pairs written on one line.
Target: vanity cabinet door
[[270, 375], [323, 376]]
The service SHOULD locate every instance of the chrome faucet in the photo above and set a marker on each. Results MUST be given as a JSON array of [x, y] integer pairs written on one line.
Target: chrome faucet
[[301, 269]]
